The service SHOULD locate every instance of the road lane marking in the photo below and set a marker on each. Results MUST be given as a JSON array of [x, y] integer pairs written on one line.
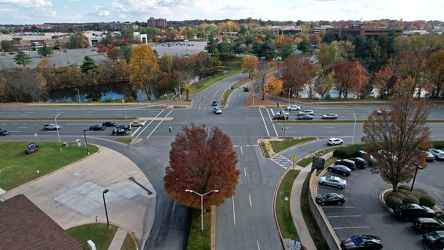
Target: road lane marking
[[245, 172], [343, 216], [258, 247], [174, 205], [249, 197], [263, 120], [234, 213], [358, 227]]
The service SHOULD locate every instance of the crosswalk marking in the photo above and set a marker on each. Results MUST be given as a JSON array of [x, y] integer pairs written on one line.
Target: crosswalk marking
[[283, 161]]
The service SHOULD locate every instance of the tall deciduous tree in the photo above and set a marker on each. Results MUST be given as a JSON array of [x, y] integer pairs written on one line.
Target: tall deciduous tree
[[274, 85], [249, 65], [398, 140], [296, 73], [436, 69], [414, 65], [144, 69], [21, 58], [350, 77], [201, 161]]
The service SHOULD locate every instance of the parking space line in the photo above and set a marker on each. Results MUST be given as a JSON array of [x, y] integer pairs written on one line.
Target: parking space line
[[343, 216], [358, 227]]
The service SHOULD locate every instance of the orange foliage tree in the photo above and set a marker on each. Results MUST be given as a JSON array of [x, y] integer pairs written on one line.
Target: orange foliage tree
[[201, 161], [296, 73], [249, 65], [350, 77], [436, 69], [144, 69], [274, 85]]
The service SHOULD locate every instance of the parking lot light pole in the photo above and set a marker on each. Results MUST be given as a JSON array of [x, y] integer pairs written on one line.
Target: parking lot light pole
[[57, 129], [78, 94], [414, 177], [354, 128], [86, 142], [201, 201], [104, 203]]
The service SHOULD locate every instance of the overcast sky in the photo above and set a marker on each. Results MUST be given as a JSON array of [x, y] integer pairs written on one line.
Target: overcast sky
[[80, 11]]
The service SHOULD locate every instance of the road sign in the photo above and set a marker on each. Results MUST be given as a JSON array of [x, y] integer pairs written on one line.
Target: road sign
[[268, 145], [293, 156]]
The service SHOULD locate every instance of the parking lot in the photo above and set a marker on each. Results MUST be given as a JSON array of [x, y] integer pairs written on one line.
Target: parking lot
[[363, 213]]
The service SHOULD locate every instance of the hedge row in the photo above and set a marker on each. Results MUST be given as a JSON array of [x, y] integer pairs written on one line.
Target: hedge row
[[404, 196]]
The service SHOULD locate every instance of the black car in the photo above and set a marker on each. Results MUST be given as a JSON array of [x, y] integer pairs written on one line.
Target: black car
[[330, 199], [97, 127], [360, 162], [126, 127], [120, 131], [246, 89], [339, 169], [410, 211], [362, 242], [369, 158], [346, 162], [4, 132], [434, 239], [214, 103], [109, 124], [427, 224]]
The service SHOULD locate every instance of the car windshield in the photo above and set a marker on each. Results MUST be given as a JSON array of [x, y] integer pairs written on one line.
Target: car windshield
[[357, 240]]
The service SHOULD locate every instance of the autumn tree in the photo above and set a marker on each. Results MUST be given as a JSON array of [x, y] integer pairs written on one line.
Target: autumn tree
[[201, 161], [324, 83], [414, 65], [327, 57], [249, 65], [45, 51], [397, 140], [350, 77], [436, 69], [21, 58], [144, 69], [385, 79], [296, 73], [113, 53], [315, 39], [274, 85], [77, 41]]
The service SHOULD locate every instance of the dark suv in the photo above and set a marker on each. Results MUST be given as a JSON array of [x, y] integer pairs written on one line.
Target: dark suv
[[410, 211], [346, 162], [360, 162], [428, 224]]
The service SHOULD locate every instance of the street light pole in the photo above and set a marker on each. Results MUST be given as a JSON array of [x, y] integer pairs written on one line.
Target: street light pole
[[57, 129], [104, 203], [78, 94], [289, 93], [354, 128], [201, 201], [414, 177], [86, 142]]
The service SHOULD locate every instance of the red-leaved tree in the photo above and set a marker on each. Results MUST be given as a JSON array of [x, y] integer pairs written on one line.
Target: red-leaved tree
[[202, 161]]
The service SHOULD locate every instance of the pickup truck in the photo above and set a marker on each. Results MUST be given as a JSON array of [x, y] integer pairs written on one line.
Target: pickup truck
[[51, 126], [138, 123]]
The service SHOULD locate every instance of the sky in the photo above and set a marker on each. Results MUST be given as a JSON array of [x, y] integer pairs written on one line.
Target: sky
[[82, 11]]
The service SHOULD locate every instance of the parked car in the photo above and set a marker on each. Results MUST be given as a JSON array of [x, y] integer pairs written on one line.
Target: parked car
[[411, 211], [434, 239], [124, 126], [371, 160], [120, 131], [306, 111], [214, 103], [360, 162], [346, 162], [304, 117], [362, 242], [330, 199], [330, 116], [138, 123], [430, 156], [4, 132], [293, 107], [439, 154], [339, 169], [332, 181], [51, 126], [278, 116], [427, 224], [217, 110], [109, 124], [389, 112], [97, 127], [335, 141]]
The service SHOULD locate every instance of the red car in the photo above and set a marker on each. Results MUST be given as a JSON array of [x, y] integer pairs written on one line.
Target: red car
[[278, 116]]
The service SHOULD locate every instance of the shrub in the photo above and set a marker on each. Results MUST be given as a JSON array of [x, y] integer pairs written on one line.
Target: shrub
[[405, 187], [427, 200], [411, 199], [405, 191], [438, 144], [348, 151], [392, 201], [419, 192], [398, 195]]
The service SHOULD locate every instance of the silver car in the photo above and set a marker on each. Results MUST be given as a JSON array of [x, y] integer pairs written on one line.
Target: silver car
[[333, 181]]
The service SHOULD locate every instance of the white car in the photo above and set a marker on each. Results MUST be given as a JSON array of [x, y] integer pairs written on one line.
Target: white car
[[333, 181], [217, 110], [306, 111], [293, 107], [138, 123], [51, 126], [335, 141]]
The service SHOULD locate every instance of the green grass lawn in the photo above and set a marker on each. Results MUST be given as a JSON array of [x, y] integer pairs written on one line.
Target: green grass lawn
[[279, 146], [98, 233], [19, 168], [199, 239], [283, 213]]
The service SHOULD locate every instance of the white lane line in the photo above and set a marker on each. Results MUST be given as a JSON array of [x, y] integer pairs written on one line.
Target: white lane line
[[329, 127], [174, 205], [339, 228], [146, 126], [234, 213], [249, 197], [263, 120], [274, 127], [343, 216], [439, 195], [258, 247], [245, 172]]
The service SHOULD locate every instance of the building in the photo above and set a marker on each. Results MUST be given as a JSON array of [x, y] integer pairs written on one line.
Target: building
[[25, 226], [358, 30], [158, 23]]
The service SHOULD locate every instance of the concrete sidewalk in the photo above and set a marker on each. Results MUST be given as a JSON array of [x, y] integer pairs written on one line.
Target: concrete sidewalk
[[72, 196]]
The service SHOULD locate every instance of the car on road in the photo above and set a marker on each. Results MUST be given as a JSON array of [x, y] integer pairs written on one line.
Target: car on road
[[138, 123], [335, 141], [360, 162], [246, 89], [427, 224], [339, 169], [379, 112], [330, 116], [217, 110], [120, 131], [293, 107], [97, 127], [304, 117], [346, 162], [4, 132], [330, 199], [124, 126], [332, 181], [434, 239], [279, 116], [439, 154], [411, 211], [51, 126], [214, 103], [370, 242], [109, 124], [306, 111]]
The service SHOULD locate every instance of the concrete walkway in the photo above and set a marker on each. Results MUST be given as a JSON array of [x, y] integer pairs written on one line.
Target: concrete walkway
[[118, 239]]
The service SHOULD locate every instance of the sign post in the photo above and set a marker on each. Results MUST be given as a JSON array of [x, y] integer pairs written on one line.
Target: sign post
[[293, 157]]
